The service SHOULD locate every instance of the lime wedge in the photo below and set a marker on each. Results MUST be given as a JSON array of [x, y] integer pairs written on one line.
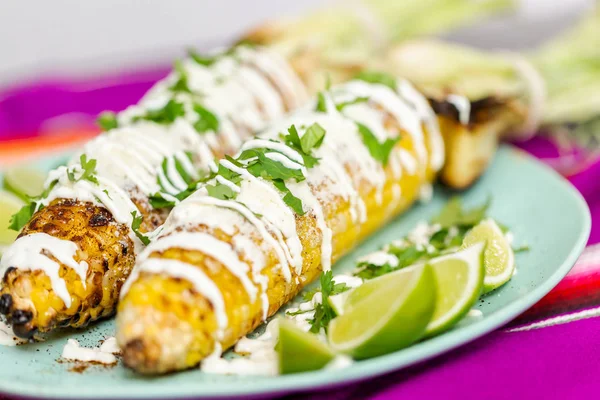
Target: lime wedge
[[9, 205], [459, 278], [300, 351], [385, 314], [498, 257], [25, 182]]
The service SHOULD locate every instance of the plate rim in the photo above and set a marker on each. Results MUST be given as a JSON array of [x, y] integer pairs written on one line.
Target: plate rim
[[317, 380]]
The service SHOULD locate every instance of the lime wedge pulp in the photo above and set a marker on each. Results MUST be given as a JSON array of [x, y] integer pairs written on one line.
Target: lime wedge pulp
[[9, 205], [385, 314], [24, 182], [459, 277], [498, 257], [300, 351]]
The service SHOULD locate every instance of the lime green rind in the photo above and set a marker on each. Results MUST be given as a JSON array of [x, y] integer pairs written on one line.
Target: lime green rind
[[471, 260], [498, 251], [300, 351], [385, 314]]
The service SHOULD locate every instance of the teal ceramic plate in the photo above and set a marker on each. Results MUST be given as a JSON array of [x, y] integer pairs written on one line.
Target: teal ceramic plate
[[542, 209]]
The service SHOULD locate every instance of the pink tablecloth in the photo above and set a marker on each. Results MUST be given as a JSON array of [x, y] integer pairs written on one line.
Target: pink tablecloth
[[555, 350]]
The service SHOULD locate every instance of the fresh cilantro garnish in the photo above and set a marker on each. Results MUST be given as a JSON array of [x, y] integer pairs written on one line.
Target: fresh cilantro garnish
[[22, 217], [269, 169], [88, 171], [454, 222], [220, 191], [135, 227], [378, 77], [521, 249], [166, 115], [201, 59], [344, 104], [292, 201], [406, 256], [312, 139], [208, 60], [107, 120], [207, 121], [181, 85], [453, 214], [379, 151], [297, 312], [158, 200], [321, 103], [324, 313]]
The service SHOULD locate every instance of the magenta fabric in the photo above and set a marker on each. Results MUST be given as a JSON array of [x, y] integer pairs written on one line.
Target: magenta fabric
[[559, 361]]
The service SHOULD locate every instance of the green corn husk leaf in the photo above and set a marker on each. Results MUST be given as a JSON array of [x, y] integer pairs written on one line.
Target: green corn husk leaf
[[439, 68], [349, 32], [570, 66]]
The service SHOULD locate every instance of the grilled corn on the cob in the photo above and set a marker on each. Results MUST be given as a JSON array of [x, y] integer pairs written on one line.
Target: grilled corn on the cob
[[248, 240], [76, 250]]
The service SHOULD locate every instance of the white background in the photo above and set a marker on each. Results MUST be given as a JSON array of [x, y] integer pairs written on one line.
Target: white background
[[42, 37]]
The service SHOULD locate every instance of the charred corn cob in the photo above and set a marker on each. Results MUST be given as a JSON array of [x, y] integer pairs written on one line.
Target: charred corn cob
[[79, 239], [269, 221], [237, 90]]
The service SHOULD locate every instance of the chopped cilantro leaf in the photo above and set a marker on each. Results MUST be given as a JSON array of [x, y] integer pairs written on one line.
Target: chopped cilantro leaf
[[135, 227], [181, 85], [297, 312], [377, 77], [107, 120], [321, 103], [220, 191], [312, 138], [207, 121], [344, 104], [271, 169], [453, 214], [157, 201], [166, 115], [324, 313], [22, 217], [206, 61], [292, 201], [370, 271], [379, 151], [89, 169], [521, 249]]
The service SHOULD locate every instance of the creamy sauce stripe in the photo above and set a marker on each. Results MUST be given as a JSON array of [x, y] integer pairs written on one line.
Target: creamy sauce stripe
[[129, 157], [345, 164]]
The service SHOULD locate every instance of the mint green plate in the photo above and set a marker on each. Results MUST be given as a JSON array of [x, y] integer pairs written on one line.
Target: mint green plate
[[542, 209]]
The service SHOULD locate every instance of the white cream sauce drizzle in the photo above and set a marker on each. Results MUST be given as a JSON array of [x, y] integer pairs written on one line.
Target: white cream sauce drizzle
[[27, 253], [209, 245], [75, 352], [463, 105], [130, 157], [202, 283], [259, 205]]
